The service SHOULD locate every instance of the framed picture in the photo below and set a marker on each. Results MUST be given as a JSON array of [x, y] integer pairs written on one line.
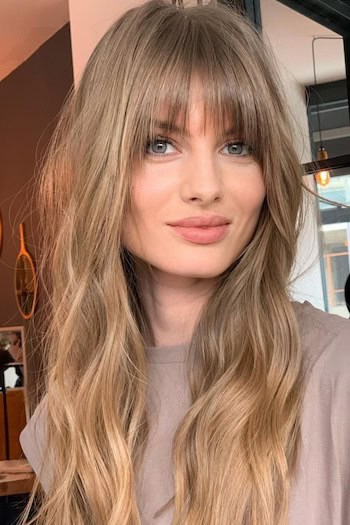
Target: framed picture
[[13, 363]]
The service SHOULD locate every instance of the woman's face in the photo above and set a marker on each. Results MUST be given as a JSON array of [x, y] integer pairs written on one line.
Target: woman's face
[[193, 176]]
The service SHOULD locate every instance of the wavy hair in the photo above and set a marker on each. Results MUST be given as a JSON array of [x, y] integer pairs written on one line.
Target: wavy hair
[[235, 451]]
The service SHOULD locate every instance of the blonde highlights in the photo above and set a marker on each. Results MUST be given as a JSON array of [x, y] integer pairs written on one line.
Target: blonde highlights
[[235, 451]]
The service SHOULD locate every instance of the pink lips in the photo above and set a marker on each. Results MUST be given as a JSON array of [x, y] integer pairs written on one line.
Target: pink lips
[[202, 235], [201, 220], [203, 229]]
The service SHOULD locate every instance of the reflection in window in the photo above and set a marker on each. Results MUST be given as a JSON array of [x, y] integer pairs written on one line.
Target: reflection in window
[[338, 190], [336, 241]]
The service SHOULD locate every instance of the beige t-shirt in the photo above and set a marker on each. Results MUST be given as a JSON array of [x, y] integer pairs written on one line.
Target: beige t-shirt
[[321, 488]]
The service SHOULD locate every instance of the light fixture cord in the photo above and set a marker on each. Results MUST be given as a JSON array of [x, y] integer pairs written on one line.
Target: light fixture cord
[[315, 80], [317, 95]]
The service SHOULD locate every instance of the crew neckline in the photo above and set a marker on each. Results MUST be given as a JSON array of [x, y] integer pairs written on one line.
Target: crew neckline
[[178, 353], [168, 353]]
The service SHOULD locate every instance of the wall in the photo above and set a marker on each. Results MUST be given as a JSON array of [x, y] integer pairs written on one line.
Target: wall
[[307, 271], [30, 100], [289, 34], [89, 21]]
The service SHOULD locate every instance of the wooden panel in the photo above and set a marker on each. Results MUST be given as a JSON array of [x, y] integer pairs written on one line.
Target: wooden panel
[[17, 421], [16, 477]]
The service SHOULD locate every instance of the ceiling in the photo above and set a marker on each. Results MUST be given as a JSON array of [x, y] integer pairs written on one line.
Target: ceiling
[[291, 34], [26, 25]]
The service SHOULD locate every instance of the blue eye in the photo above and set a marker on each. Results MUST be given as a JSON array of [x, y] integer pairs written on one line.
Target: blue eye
[[238, 149], [158, 146]]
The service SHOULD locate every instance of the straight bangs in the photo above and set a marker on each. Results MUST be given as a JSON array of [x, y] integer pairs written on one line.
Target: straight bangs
[[184, 48]]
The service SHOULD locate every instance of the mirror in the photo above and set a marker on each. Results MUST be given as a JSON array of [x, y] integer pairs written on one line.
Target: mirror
[[25, 280], [12, 355], [13, 372]]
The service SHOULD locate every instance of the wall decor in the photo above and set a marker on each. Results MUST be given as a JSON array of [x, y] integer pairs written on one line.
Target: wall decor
[[25, 280]]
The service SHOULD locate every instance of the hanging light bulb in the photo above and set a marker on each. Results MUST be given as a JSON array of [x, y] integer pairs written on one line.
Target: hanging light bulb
[[322, 177]]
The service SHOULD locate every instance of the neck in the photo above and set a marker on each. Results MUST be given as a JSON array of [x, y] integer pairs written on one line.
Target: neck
[[173, 304]]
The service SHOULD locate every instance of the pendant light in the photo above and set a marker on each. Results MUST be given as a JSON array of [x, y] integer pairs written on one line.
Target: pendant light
[[322, 177]]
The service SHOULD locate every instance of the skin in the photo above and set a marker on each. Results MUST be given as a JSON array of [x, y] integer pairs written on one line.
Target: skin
[[15, 349], [194, 176]]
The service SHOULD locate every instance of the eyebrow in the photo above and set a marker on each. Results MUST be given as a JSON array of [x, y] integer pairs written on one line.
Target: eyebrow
[[166, 126]]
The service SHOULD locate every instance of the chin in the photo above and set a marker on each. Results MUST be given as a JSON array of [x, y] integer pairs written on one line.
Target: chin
[[197, 273]]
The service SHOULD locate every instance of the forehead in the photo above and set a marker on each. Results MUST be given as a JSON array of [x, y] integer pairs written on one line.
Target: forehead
[[194, 120], [196, 105], [196, 126]]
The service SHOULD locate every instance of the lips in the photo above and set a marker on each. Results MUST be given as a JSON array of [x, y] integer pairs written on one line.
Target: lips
[[201, 221], [202, 234]]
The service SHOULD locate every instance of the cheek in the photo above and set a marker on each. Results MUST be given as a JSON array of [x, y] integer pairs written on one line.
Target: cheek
[[250, 194], [146, 201], [254, 199], [149, 193]]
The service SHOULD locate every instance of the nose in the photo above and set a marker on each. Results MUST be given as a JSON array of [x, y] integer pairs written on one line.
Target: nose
[[202, 178]]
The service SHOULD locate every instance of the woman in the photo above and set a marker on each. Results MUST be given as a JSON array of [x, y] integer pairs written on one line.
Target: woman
[[184, 386]]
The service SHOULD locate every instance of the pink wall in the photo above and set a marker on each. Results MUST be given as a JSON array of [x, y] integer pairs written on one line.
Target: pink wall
[[88, 22]]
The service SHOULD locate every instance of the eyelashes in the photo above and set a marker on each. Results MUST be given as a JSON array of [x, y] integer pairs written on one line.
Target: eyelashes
[[238, 148], [150, 142]]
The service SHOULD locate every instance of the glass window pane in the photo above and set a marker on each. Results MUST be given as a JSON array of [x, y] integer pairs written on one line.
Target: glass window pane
[[337, 190], [336, 264]]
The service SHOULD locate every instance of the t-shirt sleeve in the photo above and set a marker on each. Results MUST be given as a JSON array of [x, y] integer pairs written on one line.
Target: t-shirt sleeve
[[328, 421], [340, 418], [32, 440], [320, 491]]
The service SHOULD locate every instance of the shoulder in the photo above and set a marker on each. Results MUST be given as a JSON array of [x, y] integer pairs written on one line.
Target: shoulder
[[37, 420], [32, 438], [324, 470], [325, 340], [33, 433]]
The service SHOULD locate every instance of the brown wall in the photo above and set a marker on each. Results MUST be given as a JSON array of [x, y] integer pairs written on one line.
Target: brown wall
[[30, 100]]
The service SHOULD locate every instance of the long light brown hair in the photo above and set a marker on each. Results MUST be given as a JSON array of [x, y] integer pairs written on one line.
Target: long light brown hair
[[235, 451]]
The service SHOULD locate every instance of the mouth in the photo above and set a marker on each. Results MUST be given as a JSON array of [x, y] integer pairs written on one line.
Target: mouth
[[201, 220], [202, 234]]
